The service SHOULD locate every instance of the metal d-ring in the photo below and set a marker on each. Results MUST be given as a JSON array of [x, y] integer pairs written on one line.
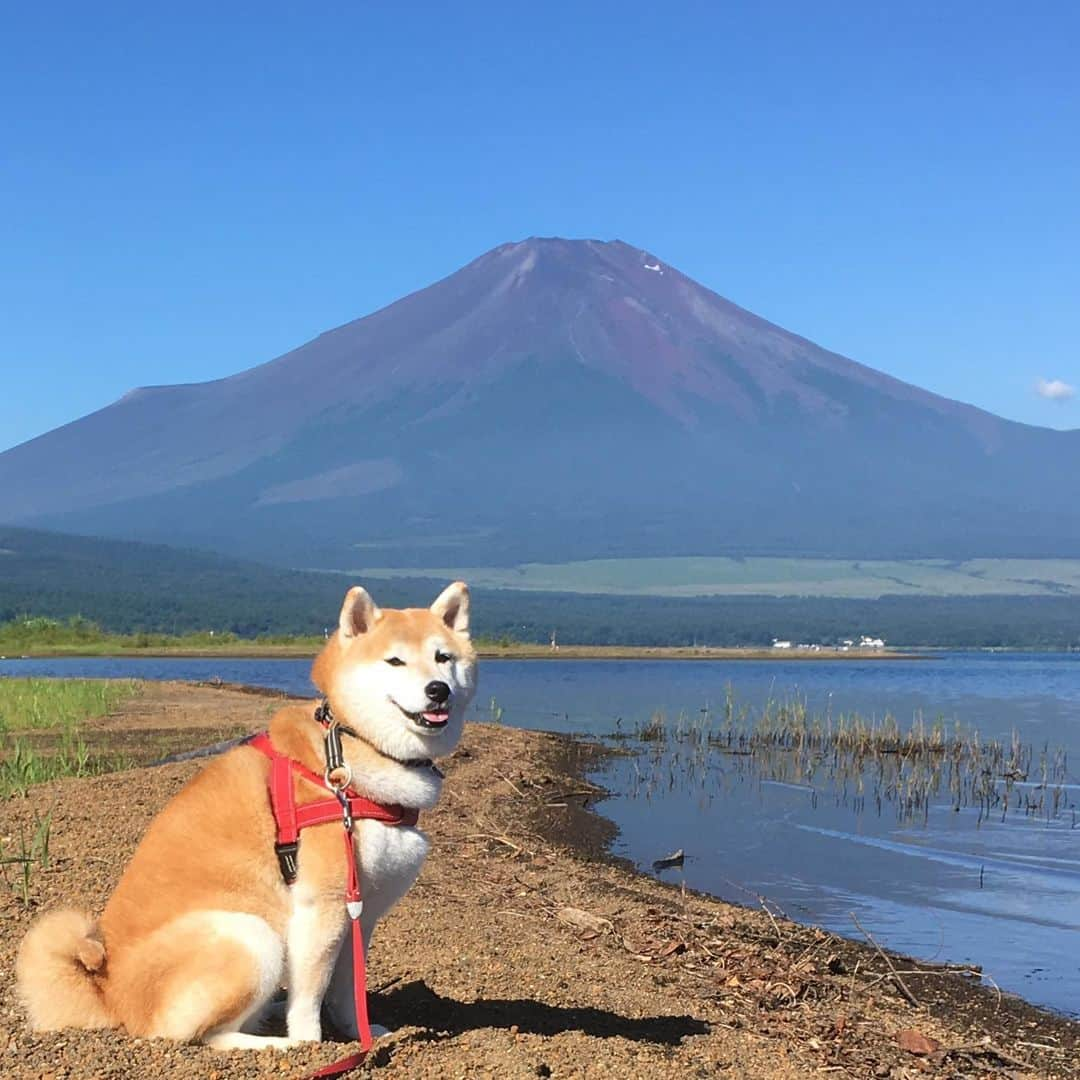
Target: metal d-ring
[[341, 794], [342, 769]]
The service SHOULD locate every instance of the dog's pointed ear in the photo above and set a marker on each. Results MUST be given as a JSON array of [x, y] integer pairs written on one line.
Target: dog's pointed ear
[[358, 614], [452, 606]]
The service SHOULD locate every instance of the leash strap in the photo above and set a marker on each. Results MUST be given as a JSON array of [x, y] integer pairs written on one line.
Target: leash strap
[[354, 904], [289, 820], [340, 1067]]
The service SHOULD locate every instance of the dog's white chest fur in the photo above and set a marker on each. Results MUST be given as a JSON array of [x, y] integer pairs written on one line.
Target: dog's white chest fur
[[390, 858]]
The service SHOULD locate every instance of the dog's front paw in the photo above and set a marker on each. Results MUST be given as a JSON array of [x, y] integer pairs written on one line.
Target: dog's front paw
[[304, 1028]]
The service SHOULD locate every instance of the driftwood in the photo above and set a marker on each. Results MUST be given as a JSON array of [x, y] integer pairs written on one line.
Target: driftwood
[[584, 920], [674, 859]]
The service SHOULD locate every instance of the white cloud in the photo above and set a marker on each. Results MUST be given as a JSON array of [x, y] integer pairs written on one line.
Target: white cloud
[[1054, 389]]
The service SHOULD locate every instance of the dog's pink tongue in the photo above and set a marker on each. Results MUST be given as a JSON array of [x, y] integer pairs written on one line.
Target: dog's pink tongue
[[436, 717]]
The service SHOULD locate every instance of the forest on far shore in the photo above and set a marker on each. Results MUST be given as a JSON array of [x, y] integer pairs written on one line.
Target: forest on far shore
[[505, 617], [129, 588]]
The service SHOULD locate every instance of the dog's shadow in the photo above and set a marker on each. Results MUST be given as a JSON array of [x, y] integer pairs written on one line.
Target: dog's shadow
[[415, 1004]]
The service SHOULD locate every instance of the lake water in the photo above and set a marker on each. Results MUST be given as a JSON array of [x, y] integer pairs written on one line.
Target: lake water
[[1004, 894]]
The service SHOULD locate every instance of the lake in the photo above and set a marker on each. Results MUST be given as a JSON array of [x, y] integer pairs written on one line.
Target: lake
[[954, 885]]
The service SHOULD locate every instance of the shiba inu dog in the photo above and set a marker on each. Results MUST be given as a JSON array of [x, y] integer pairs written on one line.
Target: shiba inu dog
[[202, 929]]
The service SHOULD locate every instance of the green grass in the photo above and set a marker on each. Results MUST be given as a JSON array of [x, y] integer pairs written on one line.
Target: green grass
[[54, 707], [31, 854], [76, 636], [36, 704], [80, 637], [22, 765], [716, 576]]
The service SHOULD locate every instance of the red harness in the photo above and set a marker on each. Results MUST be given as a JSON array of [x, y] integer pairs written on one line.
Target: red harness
[[290, 818]]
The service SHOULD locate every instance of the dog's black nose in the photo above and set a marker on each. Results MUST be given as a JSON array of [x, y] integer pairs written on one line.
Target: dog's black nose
[[438, 692]]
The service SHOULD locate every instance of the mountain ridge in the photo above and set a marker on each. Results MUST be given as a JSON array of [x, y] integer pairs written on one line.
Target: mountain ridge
[[556, 399]]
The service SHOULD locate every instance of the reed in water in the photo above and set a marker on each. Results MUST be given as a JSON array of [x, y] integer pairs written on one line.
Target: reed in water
[[857, 761]]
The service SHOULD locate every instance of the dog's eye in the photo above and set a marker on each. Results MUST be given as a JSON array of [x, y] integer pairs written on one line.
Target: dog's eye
[[442, 657], [395, 661]]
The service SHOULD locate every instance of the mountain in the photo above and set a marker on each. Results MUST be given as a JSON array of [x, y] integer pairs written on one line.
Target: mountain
[[553, 399]]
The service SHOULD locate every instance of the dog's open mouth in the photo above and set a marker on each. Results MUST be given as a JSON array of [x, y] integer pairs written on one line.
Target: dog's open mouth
[[436, 717]]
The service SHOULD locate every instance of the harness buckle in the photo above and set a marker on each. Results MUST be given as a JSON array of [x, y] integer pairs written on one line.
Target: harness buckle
[[286, 857]]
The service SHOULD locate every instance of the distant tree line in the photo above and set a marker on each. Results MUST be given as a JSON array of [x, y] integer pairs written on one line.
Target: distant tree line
[[132, 588], [500, 615]]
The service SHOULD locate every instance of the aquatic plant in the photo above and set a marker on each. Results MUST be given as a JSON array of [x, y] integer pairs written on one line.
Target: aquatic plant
[[855, 760]]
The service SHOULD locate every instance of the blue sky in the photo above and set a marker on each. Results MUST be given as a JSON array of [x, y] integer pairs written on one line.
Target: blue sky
[[193, 190]]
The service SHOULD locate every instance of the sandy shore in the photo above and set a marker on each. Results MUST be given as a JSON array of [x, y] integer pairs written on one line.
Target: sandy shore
[[524, 950]]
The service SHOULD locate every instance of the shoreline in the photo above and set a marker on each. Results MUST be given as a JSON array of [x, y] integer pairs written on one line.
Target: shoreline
[[590, 836], [563, 956], [514, 652]]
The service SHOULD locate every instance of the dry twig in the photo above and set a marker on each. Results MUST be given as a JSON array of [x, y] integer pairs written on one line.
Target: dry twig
[[501, 776], [772, 919], [901, 985], [516, 848]]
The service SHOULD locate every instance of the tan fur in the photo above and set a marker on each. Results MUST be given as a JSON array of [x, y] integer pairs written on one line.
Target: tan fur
[[192, 935], [405, 624], [57, 984]]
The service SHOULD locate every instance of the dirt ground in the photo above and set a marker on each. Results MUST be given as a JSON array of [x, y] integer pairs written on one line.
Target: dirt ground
[[524, 951]]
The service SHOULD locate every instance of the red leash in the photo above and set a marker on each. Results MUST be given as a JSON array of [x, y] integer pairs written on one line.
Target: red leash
[[289, 819]]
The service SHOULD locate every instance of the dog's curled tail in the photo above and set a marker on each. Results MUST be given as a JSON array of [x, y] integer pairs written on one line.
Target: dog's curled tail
[[58, 973]]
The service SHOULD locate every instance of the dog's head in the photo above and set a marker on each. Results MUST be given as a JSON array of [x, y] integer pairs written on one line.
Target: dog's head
[[402, 679]]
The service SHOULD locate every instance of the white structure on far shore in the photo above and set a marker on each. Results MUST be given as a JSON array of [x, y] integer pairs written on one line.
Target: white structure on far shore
[[864, 642]]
